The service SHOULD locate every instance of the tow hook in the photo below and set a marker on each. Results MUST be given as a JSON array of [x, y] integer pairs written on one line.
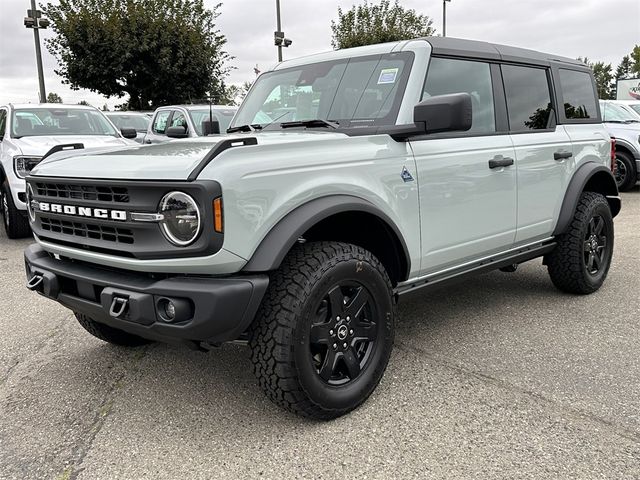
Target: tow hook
[[118, 307], [35, 282]]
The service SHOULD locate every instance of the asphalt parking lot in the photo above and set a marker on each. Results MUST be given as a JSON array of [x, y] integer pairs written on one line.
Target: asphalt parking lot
[[500, 376]]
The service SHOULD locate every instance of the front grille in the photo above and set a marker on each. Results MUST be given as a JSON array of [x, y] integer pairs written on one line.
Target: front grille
[[102, 193], [87, 230]]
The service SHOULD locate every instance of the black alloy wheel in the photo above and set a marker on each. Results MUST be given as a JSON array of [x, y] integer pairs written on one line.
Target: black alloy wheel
[[344, 333], [595, 245]]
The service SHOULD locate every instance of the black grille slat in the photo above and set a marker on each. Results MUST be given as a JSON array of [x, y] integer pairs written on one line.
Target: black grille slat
[[87, 230], [102, 193]]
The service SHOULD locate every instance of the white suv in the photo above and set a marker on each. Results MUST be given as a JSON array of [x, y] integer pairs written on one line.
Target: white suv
[[32, 131]]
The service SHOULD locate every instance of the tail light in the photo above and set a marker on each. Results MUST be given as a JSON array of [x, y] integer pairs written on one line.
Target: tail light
[[613, 155]]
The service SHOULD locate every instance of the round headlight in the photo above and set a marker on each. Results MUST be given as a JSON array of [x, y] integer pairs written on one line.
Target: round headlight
[[181, 218], [32, 213]]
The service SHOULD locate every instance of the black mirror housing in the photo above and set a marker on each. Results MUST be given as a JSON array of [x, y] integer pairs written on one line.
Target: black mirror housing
[[128, 132], [444, 113], [177, 132], [210, 127]]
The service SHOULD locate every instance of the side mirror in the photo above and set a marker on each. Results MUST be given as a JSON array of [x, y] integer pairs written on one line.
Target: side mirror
[[128, 132], [210, 127], [177, 132], [442, 113]]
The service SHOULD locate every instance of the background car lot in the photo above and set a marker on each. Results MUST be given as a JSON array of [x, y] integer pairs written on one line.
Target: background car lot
[[500, 376]]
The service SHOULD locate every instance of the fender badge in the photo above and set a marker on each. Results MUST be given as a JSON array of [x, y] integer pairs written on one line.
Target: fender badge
[[406, 176]]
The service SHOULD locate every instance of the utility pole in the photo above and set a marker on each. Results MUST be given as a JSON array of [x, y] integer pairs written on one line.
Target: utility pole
[[444, 17], [278, 35], [33, 20]]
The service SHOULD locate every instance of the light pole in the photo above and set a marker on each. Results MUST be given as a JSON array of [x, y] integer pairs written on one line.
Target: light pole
[[33, 20], [278, 35], [444, 17]]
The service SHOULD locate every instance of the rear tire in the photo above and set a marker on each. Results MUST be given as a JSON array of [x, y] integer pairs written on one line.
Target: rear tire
[[15, 223], [626, 175], [110, 334], [323, 335], [581, 261]]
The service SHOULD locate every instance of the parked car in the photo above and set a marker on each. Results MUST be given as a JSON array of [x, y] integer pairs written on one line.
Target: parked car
[[349, 179], [624, 124], [30, 132], [186, 121], [136, 120], [631, 105]]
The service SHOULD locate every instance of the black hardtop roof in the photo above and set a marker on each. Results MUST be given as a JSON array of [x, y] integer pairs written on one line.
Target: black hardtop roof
[[473, 48]]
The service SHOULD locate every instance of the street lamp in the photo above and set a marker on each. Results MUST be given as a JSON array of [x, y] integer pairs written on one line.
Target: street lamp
[[35, 21], [444, 17], [278, 36]]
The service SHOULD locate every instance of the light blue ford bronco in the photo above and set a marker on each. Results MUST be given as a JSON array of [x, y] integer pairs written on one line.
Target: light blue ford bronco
[[345, 180]]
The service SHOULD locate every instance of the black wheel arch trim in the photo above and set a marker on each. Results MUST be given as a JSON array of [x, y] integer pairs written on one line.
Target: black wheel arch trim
[[628, 146], [581, 177], [277, 243]]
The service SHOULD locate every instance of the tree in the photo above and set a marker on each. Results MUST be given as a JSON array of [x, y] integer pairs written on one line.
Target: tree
[[367, 24], [625, 68], [603, 74], [53, 98], [635, 57], [156, 51], [83, 102]]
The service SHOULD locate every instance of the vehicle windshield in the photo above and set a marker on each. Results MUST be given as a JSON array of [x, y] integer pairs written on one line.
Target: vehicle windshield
[[616, 113], [635, 107], [361, 91], [224, 118], [127, 120], [30, 122]]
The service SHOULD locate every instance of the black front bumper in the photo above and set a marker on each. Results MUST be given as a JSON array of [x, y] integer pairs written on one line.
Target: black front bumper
[[208, 309]]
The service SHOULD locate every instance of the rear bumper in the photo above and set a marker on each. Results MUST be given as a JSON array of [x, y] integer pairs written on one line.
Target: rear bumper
[[210, 310]]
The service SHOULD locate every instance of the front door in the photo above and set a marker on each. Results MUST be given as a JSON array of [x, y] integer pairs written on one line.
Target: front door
[[467, 180]]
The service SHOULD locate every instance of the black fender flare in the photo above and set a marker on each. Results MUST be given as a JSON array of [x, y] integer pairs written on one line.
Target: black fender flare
[[582, 176], [284, 234]]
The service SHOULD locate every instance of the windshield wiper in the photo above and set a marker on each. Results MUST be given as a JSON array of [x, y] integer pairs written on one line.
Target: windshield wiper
[[318, 122], [245, 128]]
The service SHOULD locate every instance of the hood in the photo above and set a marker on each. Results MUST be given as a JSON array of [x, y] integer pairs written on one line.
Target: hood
[[39, 145], [173, 160], [630, 127]]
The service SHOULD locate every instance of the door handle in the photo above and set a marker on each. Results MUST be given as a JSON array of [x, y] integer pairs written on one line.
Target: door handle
[[562, 154], [500, 161]]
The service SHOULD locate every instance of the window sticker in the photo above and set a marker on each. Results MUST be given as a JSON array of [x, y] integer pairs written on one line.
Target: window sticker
[[387, 75]]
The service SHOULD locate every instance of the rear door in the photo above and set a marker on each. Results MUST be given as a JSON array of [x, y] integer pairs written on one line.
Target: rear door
[[467, 200], [544, 154]]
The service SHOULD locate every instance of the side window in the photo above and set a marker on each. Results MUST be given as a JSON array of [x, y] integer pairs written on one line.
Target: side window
[[160, 122], [3, 122], [446, 75], [577, 94], [528, 98], [178, 120]]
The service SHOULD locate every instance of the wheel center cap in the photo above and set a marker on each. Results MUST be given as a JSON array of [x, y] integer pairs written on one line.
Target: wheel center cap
[[342, 332]]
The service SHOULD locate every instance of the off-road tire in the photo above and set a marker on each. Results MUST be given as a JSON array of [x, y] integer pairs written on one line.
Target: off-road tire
[[566, 264], [110, 334], [15, 223], [281, 333], [626, 162]]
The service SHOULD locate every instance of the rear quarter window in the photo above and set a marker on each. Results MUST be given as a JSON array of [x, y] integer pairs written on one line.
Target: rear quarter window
[[578, 95]]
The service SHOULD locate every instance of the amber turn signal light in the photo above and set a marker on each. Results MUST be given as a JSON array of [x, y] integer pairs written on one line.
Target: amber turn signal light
[[217, 214]]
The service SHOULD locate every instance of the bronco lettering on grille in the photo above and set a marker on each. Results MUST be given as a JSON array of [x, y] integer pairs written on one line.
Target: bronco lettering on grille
[[102, 213]]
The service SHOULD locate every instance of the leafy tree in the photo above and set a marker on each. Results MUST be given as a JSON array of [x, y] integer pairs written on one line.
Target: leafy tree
[[367, 24], [105, 108], [603, 74], [53, 98], [625, 69], [156, 51], [83, 102]]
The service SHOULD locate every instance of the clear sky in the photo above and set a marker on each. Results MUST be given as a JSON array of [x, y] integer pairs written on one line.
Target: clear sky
[[598, 29]]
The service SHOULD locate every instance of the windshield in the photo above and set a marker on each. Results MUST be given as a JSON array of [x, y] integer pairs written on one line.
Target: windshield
[[59, 121], [126, 120], [635, 107], [361, 91], [617, 113], [224, 118]]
